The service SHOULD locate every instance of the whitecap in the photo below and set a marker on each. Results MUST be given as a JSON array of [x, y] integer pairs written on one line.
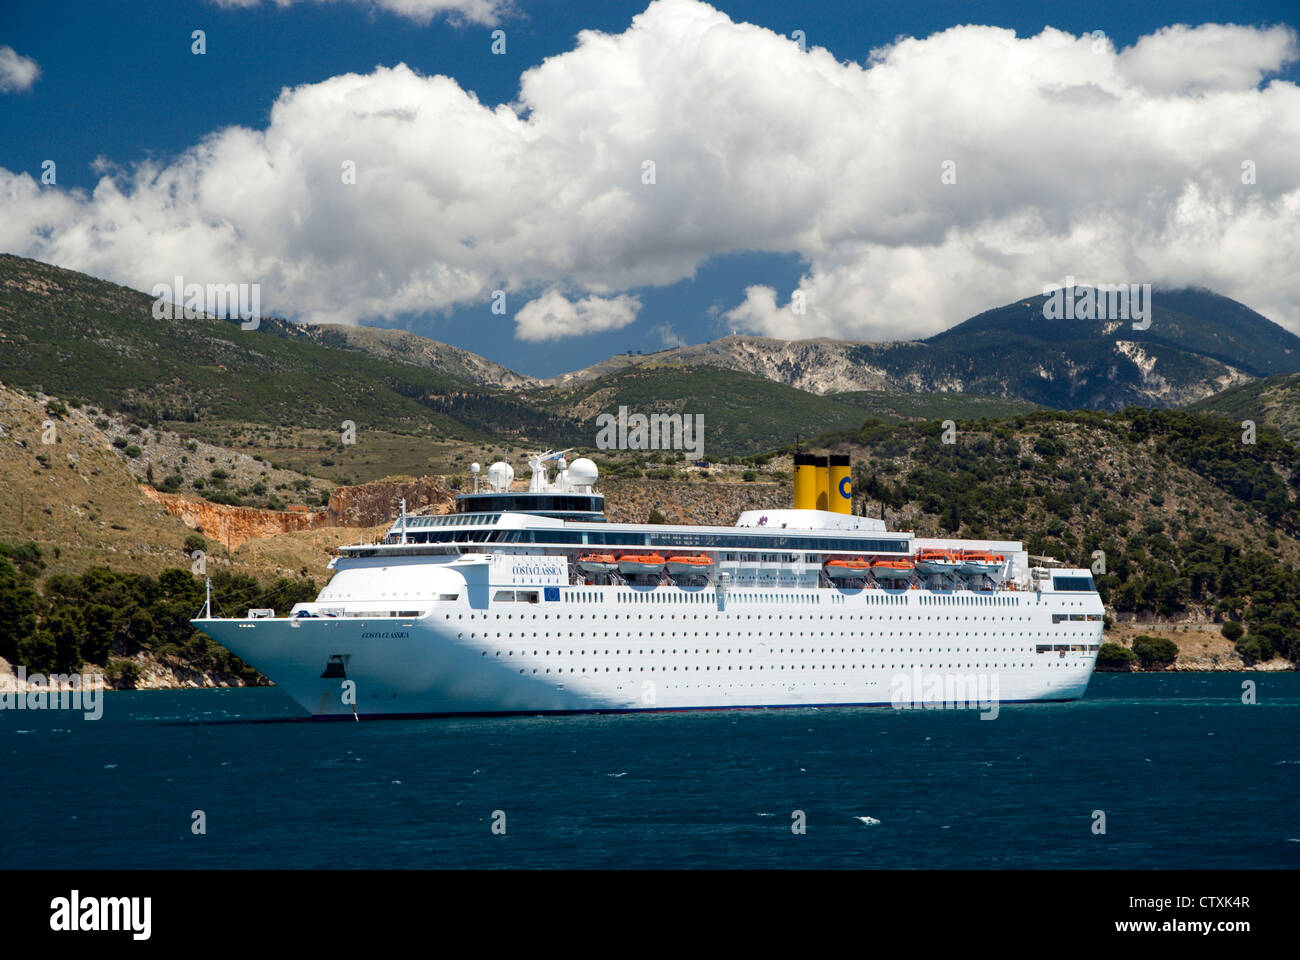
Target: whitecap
[[867, 821]]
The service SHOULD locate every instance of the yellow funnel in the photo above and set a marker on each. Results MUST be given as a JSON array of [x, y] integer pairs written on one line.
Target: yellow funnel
[[840, 484], [805, 482], [822, 466]]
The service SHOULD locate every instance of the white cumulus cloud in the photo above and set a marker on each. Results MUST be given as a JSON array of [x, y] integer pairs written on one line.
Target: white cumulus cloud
[[947, 175], [16, 71], [552, 316]]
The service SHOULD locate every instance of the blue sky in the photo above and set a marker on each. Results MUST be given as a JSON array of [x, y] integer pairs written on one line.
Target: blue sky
[[118, 85]]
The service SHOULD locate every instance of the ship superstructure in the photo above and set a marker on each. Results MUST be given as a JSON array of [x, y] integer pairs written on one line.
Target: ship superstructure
[[526, 601]]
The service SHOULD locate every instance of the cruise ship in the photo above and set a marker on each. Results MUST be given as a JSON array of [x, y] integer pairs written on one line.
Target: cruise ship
[[530, 601]]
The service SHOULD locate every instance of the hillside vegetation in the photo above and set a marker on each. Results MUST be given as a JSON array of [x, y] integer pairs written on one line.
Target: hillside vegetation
[[1274, 401]]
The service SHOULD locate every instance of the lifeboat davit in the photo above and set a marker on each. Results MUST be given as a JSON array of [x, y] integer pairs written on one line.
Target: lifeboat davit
[[631, 563], [846, 569], [597, 563], [892, 569], [685, 566], [981, 563], [937, 562]]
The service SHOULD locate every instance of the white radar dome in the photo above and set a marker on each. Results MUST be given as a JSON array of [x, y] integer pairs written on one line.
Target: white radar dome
[[501, 475], [474, 468], [582, 472]]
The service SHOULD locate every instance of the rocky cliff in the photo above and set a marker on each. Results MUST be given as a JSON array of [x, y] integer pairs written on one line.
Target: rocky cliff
[[366, 505], [233, 526]]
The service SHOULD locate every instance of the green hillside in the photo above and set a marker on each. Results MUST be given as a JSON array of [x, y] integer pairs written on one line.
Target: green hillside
[[743, 414], [78, 337], [892, 407], [1274, 401]]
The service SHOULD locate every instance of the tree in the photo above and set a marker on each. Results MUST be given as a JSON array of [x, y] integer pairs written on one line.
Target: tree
[[1254, 650], [1112, 656], [1232, 630], [1155, 653]]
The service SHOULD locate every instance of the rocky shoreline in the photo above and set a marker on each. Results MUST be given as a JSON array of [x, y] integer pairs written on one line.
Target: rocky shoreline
[[151, 673]]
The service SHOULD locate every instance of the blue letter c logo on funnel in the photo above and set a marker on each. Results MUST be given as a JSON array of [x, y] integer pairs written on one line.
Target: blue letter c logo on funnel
[[845, 488]]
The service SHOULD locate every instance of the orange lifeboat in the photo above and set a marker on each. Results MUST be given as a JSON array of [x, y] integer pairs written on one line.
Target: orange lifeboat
[[649, 563], [846, 569], [891, 569], [687, 565], [937, 562], [597, 563], [977, 563]]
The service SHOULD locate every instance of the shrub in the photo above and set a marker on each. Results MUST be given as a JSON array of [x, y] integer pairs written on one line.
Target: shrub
[[1155, 652], [132, 451], [1112, 656], [1254, 649], [123, 674], [1233, 630]]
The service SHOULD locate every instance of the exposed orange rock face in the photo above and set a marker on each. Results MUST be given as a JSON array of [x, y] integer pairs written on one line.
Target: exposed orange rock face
[[233, 526], [366, 505]]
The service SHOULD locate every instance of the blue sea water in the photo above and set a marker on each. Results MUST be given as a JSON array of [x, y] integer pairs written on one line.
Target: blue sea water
[[1186, 774]]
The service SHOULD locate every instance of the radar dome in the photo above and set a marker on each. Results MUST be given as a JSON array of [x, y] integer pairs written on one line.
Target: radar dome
[[474, 468], [501, 475], [582, 472]]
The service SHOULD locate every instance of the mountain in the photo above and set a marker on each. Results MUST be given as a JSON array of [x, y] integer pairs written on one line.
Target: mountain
[[402, 346], [741, 413], [78, 337], [1198, 344], [283, 391], [817, 366], [1274, 401]]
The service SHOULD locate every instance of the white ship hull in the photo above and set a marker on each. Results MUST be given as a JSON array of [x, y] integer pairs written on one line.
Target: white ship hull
[[662, 652]]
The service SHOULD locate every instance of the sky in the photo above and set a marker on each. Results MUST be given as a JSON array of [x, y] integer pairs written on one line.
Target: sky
[[626, 176]]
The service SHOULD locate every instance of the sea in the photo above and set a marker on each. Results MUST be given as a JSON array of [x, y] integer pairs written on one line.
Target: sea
[[1179, 770]]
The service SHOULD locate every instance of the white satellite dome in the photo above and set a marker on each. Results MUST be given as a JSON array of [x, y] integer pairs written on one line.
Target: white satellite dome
[[500, 476], [582, 472]]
